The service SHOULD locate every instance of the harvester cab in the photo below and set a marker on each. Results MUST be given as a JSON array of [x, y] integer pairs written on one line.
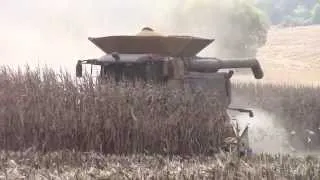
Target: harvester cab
[[170, 60]]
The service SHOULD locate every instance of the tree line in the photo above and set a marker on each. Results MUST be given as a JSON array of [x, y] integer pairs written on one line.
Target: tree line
[[240, 27], [290, 12]]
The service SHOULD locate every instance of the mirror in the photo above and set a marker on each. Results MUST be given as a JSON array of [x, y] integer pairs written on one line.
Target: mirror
[[79, 69]]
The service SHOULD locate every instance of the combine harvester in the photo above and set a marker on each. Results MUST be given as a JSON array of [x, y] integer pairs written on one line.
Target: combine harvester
[[172, 60]]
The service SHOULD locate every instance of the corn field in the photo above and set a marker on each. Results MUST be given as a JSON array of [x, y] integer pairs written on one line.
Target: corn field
[[55, 127], [50, 111]]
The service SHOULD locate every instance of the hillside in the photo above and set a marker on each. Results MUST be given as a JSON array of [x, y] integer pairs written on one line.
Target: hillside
[[292, 55]]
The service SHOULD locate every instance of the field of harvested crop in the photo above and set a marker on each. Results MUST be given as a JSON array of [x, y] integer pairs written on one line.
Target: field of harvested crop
[[70, 165], [291, 55]]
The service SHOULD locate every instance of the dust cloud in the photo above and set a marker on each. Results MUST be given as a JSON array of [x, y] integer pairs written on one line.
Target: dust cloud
[[268, 132], [265, 134], [55, 32]]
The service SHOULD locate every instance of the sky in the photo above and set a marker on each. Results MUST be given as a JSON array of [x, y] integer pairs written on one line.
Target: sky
[[55, 33]]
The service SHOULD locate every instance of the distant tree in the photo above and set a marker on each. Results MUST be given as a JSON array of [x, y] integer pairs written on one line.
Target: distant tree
[[299, 17], [287, 11], [309, 3], [302, 12], [277, 10], [316, 14], [238, 27]]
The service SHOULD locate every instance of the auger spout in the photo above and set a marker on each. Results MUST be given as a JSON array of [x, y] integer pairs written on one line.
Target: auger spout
[[214, 64]]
